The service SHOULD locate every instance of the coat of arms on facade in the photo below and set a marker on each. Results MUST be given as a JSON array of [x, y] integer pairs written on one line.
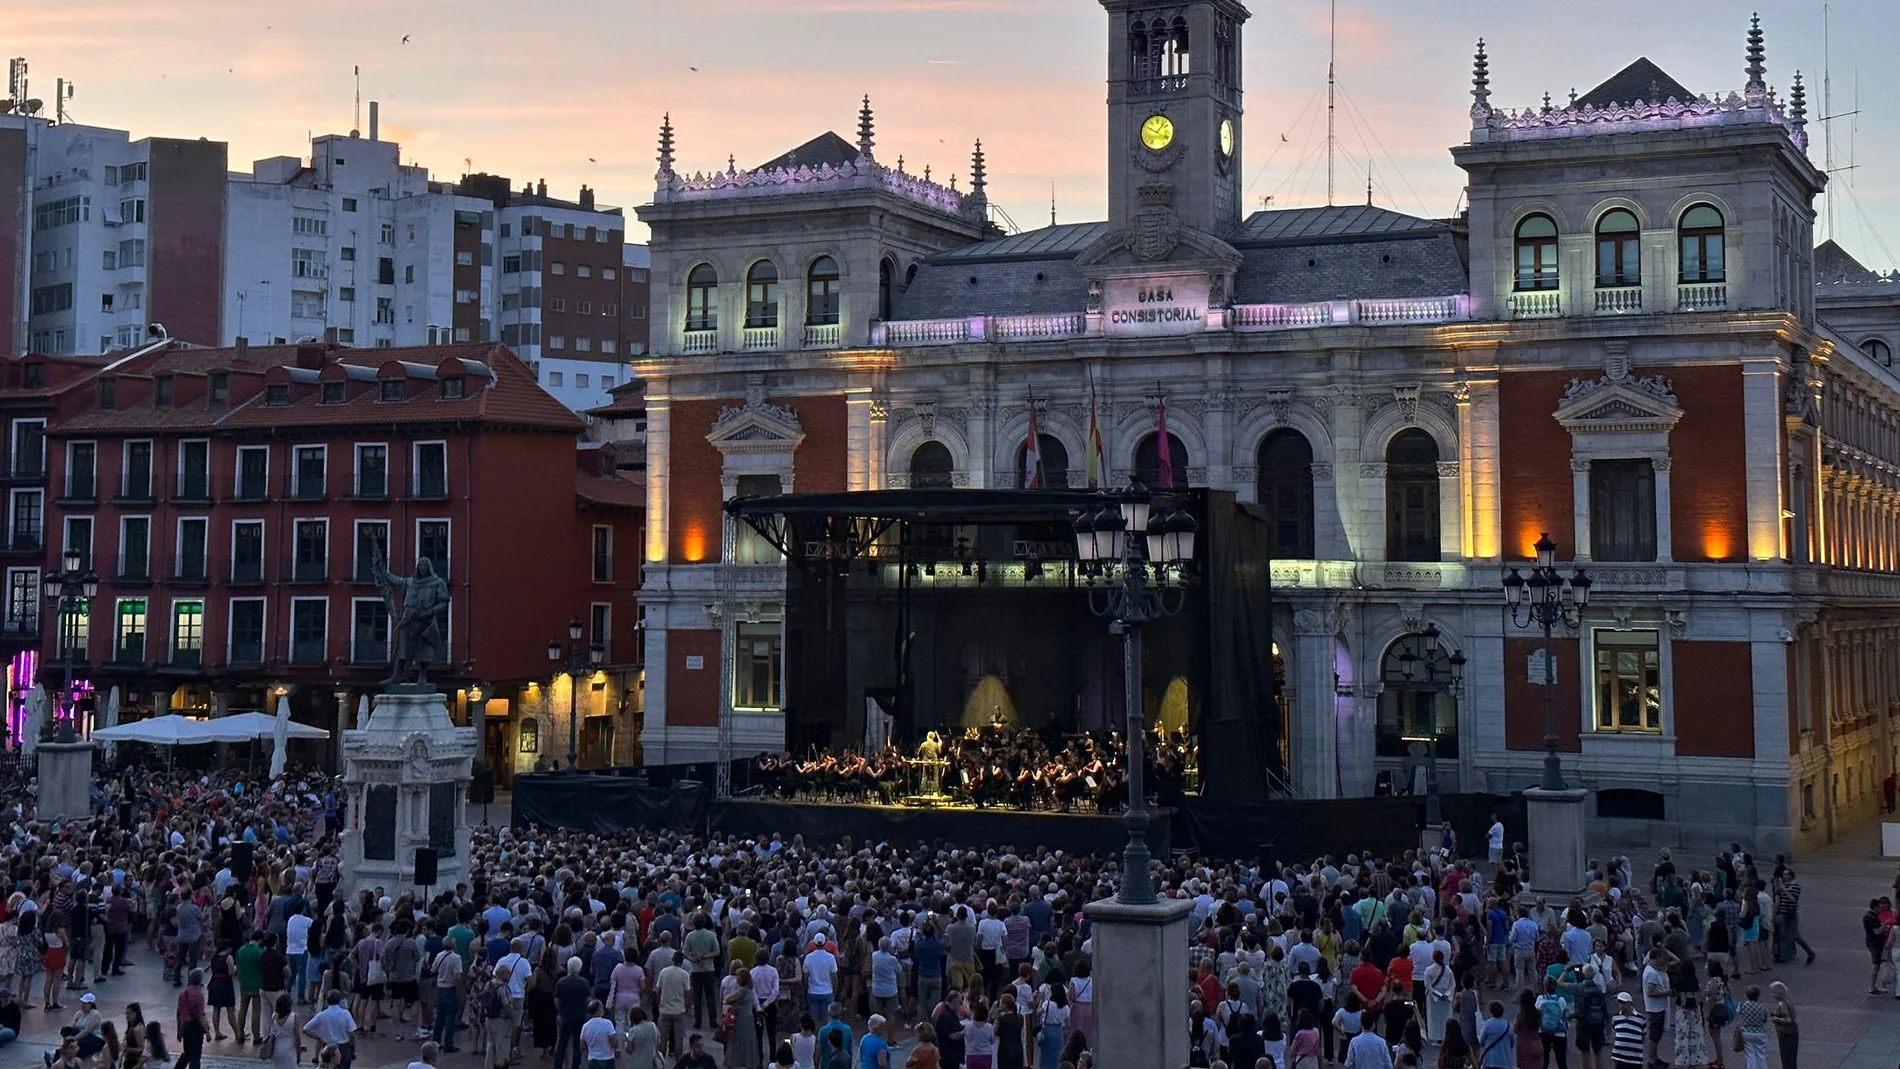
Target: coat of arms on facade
[[1157, 230]]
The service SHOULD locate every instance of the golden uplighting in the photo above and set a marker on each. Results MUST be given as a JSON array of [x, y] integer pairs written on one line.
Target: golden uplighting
[[1716, 541], [693, 544]]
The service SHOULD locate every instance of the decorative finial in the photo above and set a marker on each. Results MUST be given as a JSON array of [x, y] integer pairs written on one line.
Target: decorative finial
[[732, 164], [1573, 97], [1798, 111], [666, 143], [865, 128], [953, 181], [1481, 79], [1546, 100], [900, 165], [1757, 67], [926, 172], [977, 177]]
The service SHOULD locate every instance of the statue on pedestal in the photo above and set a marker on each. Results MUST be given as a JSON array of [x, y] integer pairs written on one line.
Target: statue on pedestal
[[415, 627]]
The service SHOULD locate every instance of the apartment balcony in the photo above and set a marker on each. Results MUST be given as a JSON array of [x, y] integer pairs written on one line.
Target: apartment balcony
[[307, 652], [247, 573], [1619, 300], [758, 339], [823, 335], [246, 654], [1536, 304], [699, 342], [25, 542], [369, 654], [1702, 296], [310, 571]]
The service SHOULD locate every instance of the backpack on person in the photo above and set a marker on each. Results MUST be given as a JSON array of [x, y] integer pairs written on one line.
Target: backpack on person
[[1593, 1006], [494, 1002], [1550, 1016]]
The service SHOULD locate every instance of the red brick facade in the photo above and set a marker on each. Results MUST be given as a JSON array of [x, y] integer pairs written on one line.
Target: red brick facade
[[1714, 688], [1708, 486], [1524, 696], [692, 694], [1534, 465]]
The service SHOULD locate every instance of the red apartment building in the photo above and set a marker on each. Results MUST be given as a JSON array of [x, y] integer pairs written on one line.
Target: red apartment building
[[234, 502]]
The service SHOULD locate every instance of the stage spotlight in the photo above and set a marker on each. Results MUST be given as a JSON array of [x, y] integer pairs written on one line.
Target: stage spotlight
[[930, 571]]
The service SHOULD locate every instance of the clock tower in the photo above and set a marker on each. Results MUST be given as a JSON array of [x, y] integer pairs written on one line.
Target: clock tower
[[1174, 116]]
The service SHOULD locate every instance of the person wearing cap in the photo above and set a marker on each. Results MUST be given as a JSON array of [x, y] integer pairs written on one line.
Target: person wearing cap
[[1627, 1031], [87, 1026], [821, 970]]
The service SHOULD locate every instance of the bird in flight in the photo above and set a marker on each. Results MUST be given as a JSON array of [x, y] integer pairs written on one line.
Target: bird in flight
[[405, 38], [1283, 137], [591, 159], [692, 68]]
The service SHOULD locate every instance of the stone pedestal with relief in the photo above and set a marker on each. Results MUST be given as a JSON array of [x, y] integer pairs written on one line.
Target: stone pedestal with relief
[[65, 780], [1555, 826], [405, 780], [1139, 961]]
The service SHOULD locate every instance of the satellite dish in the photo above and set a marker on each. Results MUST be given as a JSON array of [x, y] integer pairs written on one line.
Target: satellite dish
[[32, 106]]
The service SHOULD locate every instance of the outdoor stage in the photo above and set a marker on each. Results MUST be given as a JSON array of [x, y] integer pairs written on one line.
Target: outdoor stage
[[609, 804]]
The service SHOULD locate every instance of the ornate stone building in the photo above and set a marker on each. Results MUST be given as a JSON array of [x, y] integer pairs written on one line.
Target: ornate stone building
[[1412, 401]]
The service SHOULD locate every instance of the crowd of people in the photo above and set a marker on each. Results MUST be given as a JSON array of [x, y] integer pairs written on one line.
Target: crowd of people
[[642, 951]]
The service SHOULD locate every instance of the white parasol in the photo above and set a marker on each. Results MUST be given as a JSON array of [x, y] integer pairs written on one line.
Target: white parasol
[[110, 719], [35, 722]]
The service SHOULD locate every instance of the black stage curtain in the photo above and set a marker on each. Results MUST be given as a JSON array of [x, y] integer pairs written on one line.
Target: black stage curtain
[[1299, 830], [607, 804], [1240, 745]]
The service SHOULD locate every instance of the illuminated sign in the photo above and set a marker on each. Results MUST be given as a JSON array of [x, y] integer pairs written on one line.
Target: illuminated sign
[[1154, 305]]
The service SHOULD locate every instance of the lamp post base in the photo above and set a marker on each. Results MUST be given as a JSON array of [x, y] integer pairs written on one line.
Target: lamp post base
[[1555, 820], [1139, 954]]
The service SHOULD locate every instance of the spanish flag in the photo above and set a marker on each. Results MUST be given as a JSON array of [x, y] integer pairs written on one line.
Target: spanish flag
[[1094, 445]]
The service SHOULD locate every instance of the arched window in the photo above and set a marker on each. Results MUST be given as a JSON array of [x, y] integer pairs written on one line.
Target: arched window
[[1053, 471], [1700, 238], [1537, 253], [1138, 52], [1285, 489], [1617, 263], [886, 288], [702, 298], [1415, 704], [821, 292], [1148, 464], [1878, 351], [1175, 55], [930, 465], [761, 295], [1411, 497]]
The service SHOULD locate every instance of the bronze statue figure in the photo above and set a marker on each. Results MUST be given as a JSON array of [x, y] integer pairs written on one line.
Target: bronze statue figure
[[416, 626]]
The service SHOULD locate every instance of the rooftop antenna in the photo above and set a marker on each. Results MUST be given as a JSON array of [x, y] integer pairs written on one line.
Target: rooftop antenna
[[16, 80], [1828, 114], [1052, 204], [356, 117], [1368, 183], [1332, 54], [62, 92]]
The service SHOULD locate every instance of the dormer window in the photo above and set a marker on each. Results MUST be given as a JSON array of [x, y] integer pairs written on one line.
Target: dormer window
[[34, 376], [1536, 253], [332, 393], [453, 387], [220, 388], [108, 393], [1617, 258], [1700, 237], [391, 390], [277, 395], [162, 392]]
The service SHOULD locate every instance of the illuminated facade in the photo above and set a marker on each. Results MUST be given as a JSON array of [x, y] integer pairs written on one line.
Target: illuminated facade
[[1618, 344]]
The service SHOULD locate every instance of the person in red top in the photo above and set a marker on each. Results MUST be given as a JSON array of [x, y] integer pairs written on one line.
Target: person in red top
[[1368, 980], [191, 1020], [1209, 985], [1400, 970]]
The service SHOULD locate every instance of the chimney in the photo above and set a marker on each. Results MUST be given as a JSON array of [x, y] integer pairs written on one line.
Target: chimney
[[375, 120], [311, 357], [587, 199], [243, 350], [541, 188]]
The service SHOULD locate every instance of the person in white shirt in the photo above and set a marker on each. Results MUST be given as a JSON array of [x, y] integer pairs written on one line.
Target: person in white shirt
[[297, 951], [821, 967], [1494, 841], [333, 1026], [426, 1056], [599, 1039]]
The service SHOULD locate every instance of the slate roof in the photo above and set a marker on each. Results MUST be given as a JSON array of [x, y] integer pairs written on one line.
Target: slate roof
[[1066, 239], [826, 148], [627, 490], [1641, 80], [1430, 263], [1332, 221], [1030, 273], [1835, 264]]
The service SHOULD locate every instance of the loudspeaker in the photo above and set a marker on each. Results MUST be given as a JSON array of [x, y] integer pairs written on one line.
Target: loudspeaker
[[425, 866], [481, 789], [241, 860]]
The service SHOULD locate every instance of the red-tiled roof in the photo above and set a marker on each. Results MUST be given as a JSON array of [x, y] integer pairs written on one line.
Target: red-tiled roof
[[624, 490], [628, 400], [512, 399]]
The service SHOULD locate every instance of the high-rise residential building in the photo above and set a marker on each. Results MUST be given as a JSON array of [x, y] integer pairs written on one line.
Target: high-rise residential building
[[102, 236]]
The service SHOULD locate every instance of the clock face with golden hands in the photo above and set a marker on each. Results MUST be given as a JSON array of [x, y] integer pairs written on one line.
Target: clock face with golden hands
[[1157, 132], [1227, 137]]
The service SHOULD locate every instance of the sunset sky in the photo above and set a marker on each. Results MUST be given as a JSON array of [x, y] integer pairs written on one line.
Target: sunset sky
[[572, 91]]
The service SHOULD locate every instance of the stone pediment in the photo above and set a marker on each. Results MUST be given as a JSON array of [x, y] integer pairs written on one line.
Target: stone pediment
[[1619, 403], [1149, 244], [758, 426]]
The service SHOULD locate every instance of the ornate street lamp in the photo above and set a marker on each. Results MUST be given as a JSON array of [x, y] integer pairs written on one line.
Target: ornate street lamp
[[71, 590], [1547, 599], [581, 660], [1134, 553]]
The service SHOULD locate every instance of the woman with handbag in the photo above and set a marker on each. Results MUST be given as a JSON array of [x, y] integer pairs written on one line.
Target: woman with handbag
[[1787, 1029], [1751, 1029], [283, 1041]]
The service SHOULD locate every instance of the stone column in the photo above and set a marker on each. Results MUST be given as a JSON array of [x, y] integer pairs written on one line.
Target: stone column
[[1580, 505], [1478, 423], [1362, 540], [1217, 429], [1140, 954], [65, 775], [1665, 544], [1315, 731], [659, 440], [1763, 438], [1555, 823]]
